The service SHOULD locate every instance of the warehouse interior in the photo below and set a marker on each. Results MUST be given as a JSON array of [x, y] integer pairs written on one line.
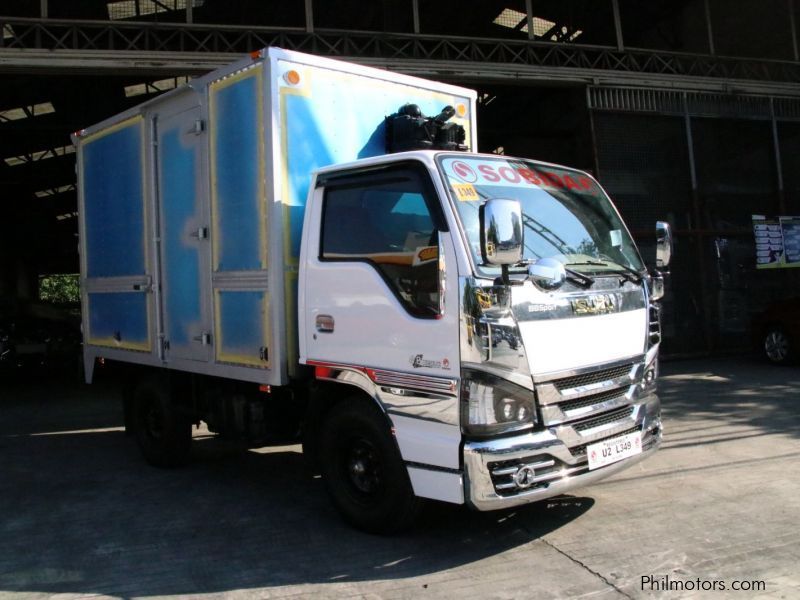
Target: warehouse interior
[[687, 111]]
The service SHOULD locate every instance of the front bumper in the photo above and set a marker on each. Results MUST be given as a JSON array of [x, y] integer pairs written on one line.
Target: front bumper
[[557, 456]]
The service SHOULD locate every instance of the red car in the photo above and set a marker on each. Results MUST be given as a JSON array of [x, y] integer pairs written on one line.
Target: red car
[[776, 332]]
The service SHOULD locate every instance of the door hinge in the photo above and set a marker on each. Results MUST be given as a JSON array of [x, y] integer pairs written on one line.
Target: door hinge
[[198, 127]]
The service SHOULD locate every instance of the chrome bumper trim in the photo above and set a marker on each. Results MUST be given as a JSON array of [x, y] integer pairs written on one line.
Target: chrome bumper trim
[[542, 447]]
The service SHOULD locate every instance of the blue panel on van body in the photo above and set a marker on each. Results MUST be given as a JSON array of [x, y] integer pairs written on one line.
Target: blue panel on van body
[[236, 153], [119, 319], [113, 208], [241, 317], [181, 259]]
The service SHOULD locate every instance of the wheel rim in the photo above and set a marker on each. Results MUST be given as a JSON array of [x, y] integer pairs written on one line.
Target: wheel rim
[[776, 346], [362, 468]]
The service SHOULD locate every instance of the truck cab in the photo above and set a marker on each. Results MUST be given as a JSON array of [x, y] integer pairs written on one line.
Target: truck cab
[[497, 312]]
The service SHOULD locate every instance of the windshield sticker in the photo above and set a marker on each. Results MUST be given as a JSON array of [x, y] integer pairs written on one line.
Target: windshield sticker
[[466, 192], [514, 174], [425, 254], [616, 238]]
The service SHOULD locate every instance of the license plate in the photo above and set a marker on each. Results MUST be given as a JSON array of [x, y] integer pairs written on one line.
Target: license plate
[[613, 450]]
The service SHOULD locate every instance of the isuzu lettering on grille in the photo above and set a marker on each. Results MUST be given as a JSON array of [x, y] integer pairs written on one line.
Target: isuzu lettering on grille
[[600, 304]]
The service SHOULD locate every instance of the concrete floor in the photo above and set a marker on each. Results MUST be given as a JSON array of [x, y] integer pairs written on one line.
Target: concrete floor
[[81, 514]]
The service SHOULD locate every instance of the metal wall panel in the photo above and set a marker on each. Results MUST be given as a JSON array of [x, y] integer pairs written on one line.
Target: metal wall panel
[[644, 163]]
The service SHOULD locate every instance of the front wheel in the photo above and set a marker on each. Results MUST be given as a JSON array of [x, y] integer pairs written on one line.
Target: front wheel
[[363, 471], [777, 346]]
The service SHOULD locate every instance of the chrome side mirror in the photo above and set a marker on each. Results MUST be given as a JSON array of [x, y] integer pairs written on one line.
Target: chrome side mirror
[[548, 273], [501, 232], [663, 244]]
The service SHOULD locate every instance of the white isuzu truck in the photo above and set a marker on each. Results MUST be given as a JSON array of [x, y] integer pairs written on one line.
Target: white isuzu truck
[[288, 249]]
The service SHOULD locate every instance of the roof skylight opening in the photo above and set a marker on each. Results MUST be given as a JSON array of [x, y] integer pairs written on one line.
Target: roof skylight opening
[[22, 159], [126, 9], [510, 18], [24, 112], [541, 26], [154, 87], [55, 191], [514, 19]]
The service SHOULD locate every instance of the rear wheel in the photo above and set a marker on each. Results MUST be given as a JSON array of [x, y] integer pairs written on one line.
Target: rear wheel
[[363, 471], [777, 346], [163, 431]]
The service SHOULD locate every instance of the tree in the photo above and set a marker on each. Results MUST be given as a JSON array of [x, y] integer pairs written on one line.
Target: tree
[[60, 289]]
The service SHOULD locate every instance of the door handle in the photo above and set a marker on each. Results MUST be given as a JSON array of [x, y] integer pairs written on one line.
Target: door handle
[[204, 338]]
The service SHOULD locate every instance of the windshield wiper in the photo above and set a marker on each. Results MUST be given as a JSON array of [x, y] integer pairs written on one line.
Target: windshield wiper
[[579, 278], [628, 273]]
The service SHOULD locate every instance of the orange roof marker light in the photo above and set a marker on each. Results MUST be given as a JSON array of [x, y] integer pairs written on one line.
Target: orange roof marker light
[[291, 77]]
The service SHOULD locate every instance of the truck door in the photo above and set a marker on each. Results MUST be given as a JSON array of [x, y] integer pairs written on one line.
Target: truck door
[[378, 276], [184, 231]]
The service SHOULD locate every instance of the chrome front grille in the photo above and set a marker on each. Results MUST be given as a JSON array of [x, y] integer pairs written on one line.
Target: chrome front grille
[[578, 381], [572, 405], [586, 407], [604, 419]]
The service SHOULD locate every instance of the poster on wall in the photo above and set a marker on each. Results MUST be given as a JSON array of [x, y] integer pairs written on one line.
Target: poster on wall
[[777, 242]]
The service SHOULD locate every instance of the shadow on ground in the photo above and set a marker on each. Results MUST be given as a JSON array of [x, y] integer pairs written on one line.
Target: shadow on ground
[[81, 513]]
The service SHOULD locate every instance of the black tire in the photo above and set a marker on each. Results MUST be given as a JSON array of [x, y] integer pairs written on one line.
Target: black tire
[[163, 431], [363, 470], [777, 346]]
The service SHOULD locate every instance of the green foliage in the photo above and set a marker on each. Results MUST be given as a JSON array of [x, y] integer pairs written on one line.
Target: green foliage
[[59, 289]]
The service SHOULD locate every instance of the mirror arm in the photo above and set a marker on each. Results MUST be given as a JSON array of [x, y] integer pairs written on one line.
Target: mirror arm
[[504, 275]]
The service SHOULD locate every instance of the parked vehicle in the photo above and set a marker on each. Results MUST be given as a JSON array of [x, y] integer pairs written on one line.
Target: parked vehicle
[[776, 332], [288, 247], [37, 338]]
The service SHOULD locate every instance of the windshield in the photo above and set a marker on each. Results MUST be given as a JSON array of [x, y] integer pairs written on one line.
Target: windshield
[[566, 215]]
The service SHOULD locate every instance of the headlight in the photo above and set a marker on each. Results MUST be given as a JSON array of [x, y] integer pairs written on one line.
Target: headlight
[[491, 405]]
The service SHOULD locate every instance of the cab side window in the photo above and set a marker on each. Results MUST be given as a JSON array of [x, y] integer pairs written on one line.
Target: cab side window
[[387, 219]]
